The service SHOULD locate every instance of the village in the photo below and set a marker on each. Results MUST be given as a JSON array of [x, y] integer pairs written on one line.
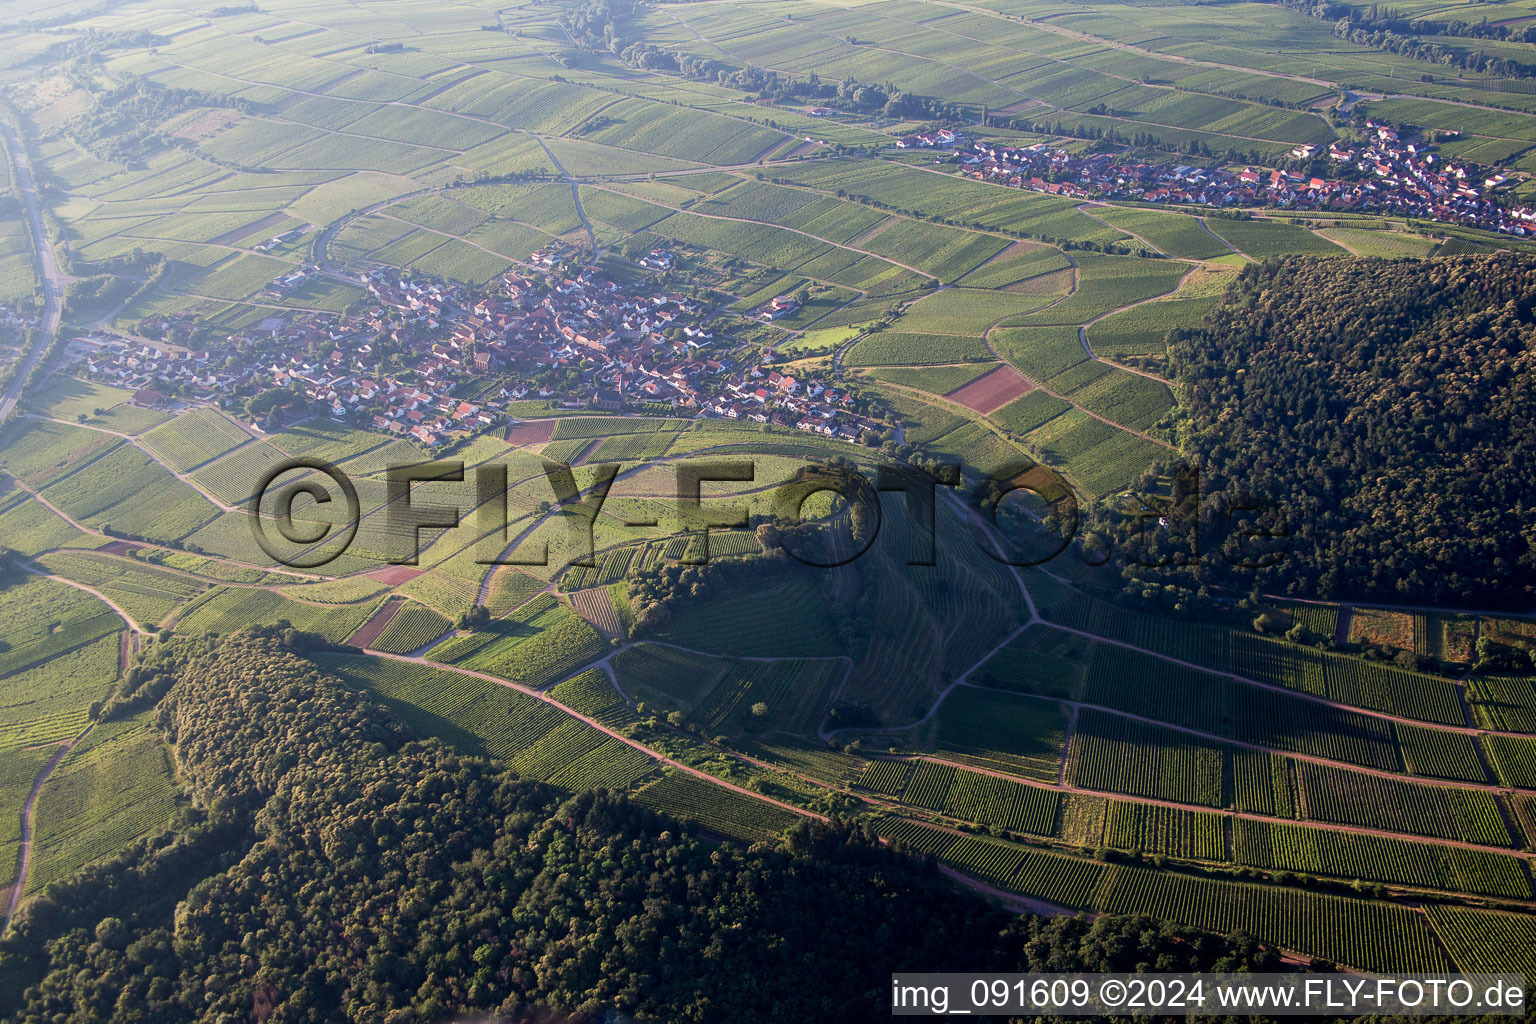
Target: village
[[1396, 172], [437, 362]]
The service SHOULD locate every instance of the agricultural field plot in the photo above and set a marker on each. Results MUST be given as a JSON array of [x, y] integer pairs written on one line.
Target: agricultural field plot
[[1120, 755], [31, 527], [126, 488], [715, 808], [232, 478], [1440, 754], [102, 406], [225, 609], [682, 132], [1023, 263], [413, 627], [894, 348], [1317, 851], [1173, 233], [1503, 702], [1172, 831], [1369, 935], [18, 768], [1513, 759], [597, 607], [547, 645], [1029, 413], [477, 717], [888, 777], [193, 439], [1106, 283], [1141, 331], [968, 311], [1482, 940], [113, 788], [944, 253], [662, 675], [39, 453], [1372, 801], [45, 618], [1007, 732], [324, 439], [1264, 237], [936, 380], [591, 694], [973, 204], [787, 620], [1385, 244], [50, 702], [1041, 661], [992, 391], [148, 594]]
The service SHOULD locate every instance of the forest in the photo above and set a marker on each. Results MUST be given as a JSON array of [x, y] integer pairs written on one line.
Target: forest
[[340, 868], [1384, 408]]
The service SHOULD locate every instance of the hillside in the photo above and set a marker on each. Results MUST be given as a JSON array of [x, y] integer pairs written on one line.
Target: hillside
[[1388, 407], [388, 878]]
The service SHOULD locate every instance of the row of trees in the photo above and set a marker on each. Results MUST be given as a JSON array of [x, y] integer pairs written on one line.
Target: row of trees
[[1387, 29]]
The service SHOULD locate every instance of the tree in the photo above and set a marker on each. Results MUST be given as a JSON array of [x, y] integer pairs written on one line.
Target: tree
[[760, 710]]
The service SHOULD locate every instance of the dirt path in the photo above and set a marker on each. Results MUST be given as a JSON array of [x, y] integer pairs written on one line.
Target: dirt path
[[24, 854], [575, 194], [134, 440], [1326, 826], [605, 730], [1302, 695], [986, 339], [133, 627], [300, 577], [1346, 619]]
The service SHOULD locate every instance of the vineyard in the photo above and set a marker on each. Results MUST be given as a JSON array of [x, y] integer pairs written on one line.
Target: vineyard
[[1006, 732], [1372, 936], [148, 594], [534, 737], [1317, 851], [1119, 755], [113, 788], [1513, 759], [1439, 754], [1482, 940], [888, 777], [1372, 801], [1503, 702], [413, 627], [716, 808], [1173, 831], [194, 438], [591, 694]]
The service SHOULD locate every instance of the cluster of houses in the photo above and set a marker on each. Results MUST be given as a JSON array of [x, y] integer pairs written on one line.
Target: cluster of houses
[[940, 139], [764, 395], [435, 361], [1387, 175]]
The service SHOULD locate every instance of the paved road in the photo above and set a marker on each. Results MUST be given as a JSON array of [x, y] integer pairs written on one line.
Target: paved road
[[48, 271]]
